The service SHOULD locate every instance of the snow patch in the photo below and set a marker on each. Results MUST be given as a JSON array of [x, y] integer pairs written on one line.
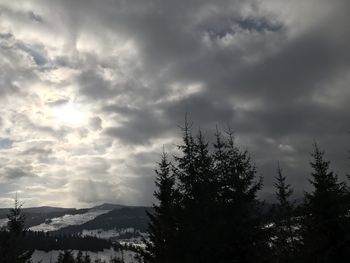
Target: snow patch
[[107, 234], [106, 254], [3, 222], [136, 238], [68, 220]]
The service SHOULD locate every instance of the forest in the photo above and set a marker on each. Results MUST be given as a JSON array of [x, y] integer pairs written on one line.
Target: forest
[[208, 210]]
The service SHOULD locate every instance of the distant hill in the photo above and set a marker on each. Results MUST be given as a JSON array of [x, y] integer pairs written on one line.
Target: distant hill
[[107, 216], [38, 215], [126, 217], [36, 210], [107, 206]]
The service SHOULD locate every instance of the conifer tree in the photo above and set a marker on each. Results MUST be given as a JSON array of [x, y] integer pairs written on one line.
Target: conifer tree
[[12, 247], [162, 224], [203, 207], [215, 214], [284, 233], [16, 219], [185, 171], [326, 215], [196, 198], [243, 236]]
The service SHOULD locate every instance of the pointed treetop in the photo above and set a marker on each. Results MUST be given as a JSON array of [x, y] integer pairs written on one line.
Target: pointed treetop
[[283, 190]]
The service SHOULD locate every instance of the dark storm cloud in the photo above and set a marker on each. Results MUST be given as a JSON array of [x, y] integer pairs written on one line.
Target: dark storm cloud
[[298, 118], [277, 75], [141, 126], [94, 86], [158, 120], [192, 44], [201, 109], [294, 72]]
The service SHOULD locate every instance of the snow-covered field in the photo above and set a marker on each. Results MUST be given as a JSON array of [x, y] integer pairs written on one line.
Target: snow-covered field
[[107, 234], [68, 220], [3, 222], [47, 257], [136, 241]]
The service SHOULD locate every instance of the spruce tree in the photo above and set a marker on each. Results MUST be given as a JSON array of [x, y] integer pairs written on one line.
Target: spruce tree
[[185, 169], [203, 207], [243, 236], [16, 219], [326, 217], [12, 247], [215, 211], [187, 198], [284, 234], [162, 224], [196, 198]]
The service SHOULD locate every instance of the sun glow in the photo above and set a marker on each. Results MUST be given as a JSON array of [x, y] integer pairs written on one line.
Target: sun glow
[[69, 114]]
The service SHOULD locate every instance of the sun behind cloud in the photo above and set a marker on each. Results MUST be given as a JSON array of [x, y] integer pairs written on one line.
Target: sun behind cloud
[[69, 114]]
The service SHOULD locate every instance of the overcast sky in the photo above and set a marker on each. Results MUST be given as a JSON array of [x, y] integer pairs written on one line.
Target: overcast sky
[[90, 91]]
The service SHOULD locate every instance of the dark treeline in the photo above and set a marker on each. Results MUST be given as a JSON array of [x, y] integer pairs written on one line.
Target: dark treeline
[[208, 210], [47, 242], [68, 257]]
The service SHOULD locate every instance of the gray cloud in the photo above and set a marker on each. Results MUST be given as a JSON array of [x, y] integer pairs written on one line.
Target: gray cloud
[[5, 143], [18, 173], [130, 71], [37, 151], [96, 123], [58, 102]]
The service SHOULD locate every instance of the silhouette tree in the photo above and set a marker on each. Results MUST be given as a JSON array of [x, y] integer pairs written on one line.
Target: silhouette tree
[[185, 171], [208, 208], [284, 234], [161, 225], [16, 219], [196, 199], [326, 220], [215, 212], [243, 238], [12, 247]]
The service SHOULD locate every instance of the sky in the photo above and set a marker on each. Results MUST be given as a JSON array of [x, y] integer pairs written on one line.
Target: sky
[[91, 91]]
